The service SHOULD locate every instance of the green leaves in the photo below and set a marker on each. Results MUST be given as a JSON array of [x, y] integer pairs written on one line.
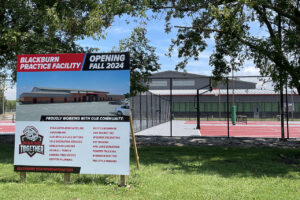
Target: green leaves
[[143, 59], [32, 27], [276, 51]]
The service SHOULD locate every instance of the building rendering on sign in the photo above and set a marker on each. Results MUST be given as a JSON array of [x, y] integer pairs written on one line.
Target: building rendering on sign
[[62, 95], [248, 98]]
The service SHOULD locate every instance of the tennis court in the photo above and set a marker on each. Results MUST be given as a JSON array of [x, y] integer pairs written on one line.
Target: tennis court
[[271, 129], [251, 129], [268, 129], [7, 127]]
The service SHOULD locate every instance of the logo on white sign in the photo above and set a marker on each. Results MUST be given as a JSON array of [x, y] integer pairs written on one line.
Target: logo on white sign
[[31, 142]]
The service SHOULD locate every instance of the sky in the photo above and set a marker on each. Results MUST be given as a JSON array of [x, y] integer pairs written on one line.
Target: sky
[[114, 82], [161, 41]]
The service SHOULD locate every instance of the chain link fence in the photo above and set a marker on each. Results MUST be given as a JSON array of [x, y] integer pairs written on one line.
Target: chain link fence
[[253, 98], [247, 106], [7, 100], [260, 101], [149, 110]]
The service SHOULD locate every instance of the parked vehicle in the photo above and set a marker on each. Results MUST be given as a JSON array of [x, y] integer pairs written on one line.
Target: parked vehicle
[[123, 110], [125, 101], [116, 102]]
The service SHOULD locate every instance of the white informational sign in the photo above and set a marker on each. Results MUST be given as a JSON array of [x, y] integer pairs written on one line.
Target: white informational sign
[[67, 114]]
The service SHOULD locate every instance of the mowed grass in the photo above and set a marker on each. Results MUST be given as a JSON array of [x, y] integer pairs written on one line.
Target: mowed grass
[[171, 173]]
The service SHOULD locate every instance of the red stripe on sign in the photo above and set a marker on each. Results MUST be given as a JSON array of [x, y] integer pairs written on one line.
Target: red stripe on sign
[[50, 62]]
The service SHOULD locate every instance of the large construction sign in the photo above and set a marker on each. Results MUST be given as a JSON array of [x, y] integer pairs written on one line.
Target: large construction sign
[[72, 113]]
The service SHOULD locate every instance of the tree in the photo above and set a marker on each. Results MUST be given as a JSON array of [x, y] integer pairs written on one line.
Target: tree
[[3, 76], [53, 26], [276, 52], [10, 105], [143, 60]]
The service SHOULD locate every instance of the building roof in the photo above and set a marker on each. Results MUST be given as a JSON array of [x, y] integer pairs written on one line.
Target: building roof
[[186, 75], [45, 94], [176, 74], [216, 92], [68, 89]]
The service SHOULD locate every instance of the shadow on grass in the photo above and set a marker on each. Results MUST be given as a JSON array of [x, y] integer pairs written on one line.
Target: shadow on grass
[[227, 162], [8, 180], [7, 157], [6, 153], [88, 179]]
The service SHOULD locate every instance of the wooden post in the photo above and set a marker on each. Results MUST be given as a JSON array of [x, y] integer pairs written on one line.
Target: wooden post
[[122, 181], [134, 143], [67, 178], [22, 177]]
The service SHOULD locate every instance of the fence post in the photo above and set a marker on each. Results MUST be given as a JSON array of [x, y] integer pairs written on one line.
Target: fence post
[[198, 111], [287, 111], [132, 109], [281, 110], [227, 110], [171, 114], [151, 108], [159, 108], [185, 109], [140, 111], [147, 123]]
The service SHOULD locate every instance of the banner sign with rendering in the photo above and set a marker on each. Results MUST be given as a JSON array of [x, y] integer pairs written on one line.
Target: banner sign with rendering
[[72, 113]]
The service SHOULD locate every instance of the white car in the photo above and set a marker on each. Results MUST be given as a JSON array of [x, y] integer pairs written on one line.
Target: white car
[[123, 110], [125, 101]]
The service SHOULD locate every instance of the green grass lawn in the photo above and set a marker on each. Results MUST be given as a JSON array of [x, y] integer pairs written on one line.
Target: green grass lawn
[[171, 173]]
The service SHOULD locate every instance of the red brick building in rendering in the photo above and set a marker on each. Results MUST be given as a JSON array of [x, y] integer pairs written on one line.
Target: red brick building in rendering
[[61, 95]]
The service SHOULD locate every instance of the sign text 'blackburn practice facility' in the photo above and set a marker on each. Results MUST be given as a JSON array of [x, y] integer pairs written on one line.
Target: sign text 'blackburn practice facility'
[[76, 129]]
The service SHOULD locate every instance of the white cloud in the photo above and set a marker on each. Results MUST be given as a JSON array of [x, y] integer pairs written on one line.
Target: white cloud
[[119, 30], [198, 64], [200, 71], [248, 71], [10, 93]]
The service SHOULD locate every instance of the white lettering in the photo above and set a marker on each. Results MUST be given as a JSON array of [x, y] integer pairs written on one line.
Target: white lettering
[[39, 59]]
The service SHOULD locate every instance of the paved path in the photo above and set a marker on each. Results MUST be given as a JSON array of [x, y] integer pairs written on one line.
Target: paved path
[[178, 129], [264, 129], [33, 112]]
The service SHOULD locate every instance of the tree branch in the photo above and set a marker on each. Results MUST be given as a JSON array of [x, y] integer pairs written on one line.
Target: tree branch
[[191, 8], [263, 16], [295, 17], [200, 29]]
